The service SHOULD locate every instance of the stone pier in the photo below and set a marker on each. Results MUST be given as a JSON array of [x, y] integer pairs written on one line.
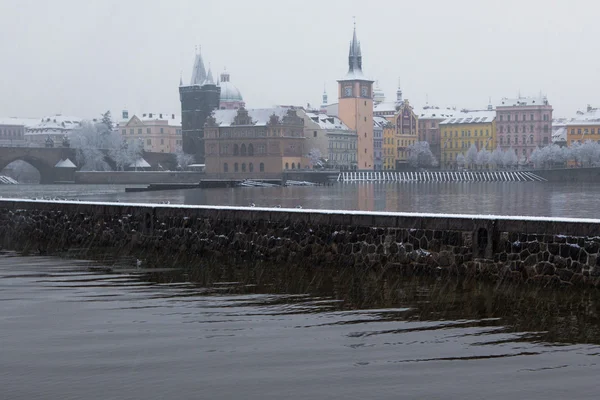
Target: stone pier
[[550, 252]]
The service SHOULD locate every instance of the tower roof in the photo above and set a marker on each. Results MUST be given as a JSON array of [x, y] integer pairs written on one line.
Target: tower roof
[[355, 60], [209, 78], [199, 72]]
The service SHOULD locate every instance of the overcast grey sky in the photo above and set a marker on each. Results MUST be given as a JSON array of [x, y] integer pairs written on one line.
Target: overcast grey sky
[[83, 57]]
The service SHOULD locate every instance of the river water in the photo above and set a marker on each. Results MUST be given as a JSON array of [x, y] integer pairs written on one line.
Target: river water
[[73, 330], [498, 198]]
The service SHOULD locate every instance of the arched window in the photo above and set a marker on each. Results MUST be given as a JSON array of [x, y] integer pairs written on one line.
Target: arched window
[[250, 150], [243, 167], [530, 139], [501, 140], [235, 167], [287, 166], [225, 167], [243, 150], [524, 139], [293, 165], [236, 150], [251, 166], [262, 167], [508, 140]]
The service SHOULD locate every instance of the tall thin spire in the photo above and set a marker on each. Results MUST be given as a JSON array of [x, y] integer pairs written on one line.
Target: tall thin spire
[[181, 78], [209, 77], [324, 94], [354, 55], [399, 92], [199, 72]]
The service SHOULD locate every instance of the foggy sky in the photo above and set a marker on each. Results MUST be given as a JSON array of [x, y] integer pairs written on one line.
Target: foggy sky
[[83, 57]]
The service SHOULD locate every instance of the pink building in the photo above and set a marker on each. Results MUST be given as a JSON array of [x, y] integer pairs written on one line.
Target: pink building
[[231, 98], [524, 123]]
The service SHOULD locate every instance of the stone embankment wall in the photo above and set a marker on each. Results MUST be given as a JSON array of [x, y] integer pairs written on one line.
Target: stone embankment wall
[[532, 250]]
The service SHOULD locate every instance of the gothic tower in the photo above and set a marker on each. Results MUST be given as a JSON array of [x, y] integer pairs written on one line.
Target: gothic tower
[[356, 104], [198, 100]]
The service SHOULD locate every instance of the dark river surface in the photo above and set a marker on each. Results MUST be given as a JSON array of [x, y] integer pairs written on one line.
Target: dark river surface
[[72, 330], [498, 198]]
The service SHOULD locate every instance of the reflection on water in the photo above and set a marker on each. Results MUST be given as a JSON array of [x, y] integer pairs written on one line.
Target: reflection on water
[[500, 198], [72, 331]]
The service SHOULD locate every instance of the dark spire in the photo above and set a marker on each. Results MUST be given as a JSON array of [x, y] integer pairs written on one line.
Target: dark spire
[[354, 56]]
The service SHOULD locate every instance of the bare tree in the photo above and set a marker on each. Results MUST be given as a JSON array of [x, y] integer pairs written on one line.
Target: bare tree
[[420, 155]]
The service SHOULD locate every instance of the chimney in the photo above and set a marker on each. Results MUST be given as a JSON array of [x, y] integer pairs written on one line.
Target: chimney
[[172, 116], [160, 116], [144, 115], [125, 114]]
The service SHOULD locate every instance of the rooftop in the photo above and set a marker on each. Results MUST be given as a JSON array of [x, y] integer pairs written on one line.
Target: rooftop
[[260, 116], [385, 107], [524, 101], [589, 117], [472, 117], [327, 121], [26, 122], [431, 112], [169, 118]]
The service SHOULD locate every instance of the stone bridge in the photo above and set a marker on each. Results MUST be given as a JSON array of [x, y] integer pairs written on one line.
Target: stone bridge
[[42, 158]]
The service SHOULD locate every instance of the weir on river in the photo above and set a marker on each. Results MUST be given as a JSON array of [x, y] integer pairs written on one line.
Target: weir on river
[[440, 176]]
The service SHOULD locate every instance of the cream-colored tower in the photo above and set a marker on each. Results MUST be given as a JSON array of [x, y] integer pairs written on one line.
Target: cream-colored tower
[[356, 105]]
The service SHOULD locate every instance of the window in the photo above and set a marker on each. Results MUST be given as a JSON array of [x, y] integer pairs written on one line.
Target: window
[[162, 141], [545, 140], [148, 131], [124, 131], [501, 117], [531, 117], [365, 134], [225, 167], [161, 130], [516, 117], [235, 167], [545, 128], [287, 166], [139, 131], [524, 152], [365, 121], [530, 139], [251, 167], [508, 117], [243, 167], [579, 131], [293, 165], [149, 142], [315, 134], [243, 150], [236, 151], [250, 149], [501, 140], [524, 139]]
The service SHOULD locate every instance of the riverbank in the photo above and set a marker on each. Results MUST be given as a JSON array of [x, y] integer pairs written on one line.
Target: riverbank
[[550, 252]]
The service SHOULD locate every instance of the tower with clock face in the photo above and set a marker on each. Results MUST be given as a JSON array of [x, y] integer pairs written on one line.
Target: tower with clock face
[[355, 107]]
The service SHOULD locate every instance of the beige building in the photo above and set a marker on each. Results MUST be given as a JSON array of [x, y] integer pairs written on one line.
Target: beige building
[[316, 129], [12, 131], [254, 143], [159, 133]]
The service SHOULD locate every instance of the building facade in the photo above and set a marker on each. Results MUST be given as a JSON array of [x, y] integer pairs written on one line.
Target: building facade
[[464, 129], [585, 126], [378, 125], [12, 131], [51, 130], [254, 143], [429, 119], [157, 132], [523, 124], [355, 105], [198, 99], [407, 132], [389, 144], [342, 143], [316, 127]]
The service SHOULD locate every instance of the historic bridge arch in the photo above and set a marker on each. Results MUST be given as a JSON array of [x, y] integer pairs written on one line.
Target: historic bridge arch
[[42, 158]]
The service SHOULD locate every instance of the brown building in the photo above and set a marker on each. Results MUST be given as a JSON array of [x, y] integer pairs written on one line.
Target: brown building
[[429, 119], [254, 143]]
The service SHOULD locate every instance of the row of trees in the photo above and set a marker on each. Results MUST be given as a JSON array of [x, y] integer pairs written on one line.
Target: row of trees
[[584, 154]]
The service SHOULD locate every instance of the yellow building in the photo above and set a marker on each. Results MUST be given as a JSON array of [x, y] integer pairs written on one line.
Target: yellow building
[[465, 129], [584, 127], [389, 144], [407, 132]]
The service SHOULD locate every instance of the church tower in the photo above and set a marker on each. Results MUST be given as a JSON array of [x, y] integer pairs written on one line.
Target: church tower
[[356, 104], [198, 100]]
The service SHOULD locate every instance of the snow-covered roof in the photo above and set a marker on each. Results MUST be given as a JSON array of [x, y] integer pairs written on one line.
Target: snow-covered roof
[[523, 101], [327, 121], [560, 135], [355, 75], [590, 117], [385, 107], [140, 163], [171, 119], [379, 122], [430, 112], [260, 116], [472, 117], [26, 122], [65, 164]]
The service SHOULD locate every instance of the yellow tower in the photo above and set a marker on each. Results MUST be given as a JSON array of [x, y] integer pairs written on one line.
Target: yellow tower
[[356, 105]]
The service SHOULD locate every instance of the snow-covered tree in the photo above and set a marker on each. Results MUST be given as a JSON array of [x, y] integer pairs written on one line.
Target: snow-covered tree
[[94, 142], [107, 120], [471, 156], [460, 160], [497, 157], [483, 157], [420, 155], [183, 159], [315, 156], [510, 158]]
